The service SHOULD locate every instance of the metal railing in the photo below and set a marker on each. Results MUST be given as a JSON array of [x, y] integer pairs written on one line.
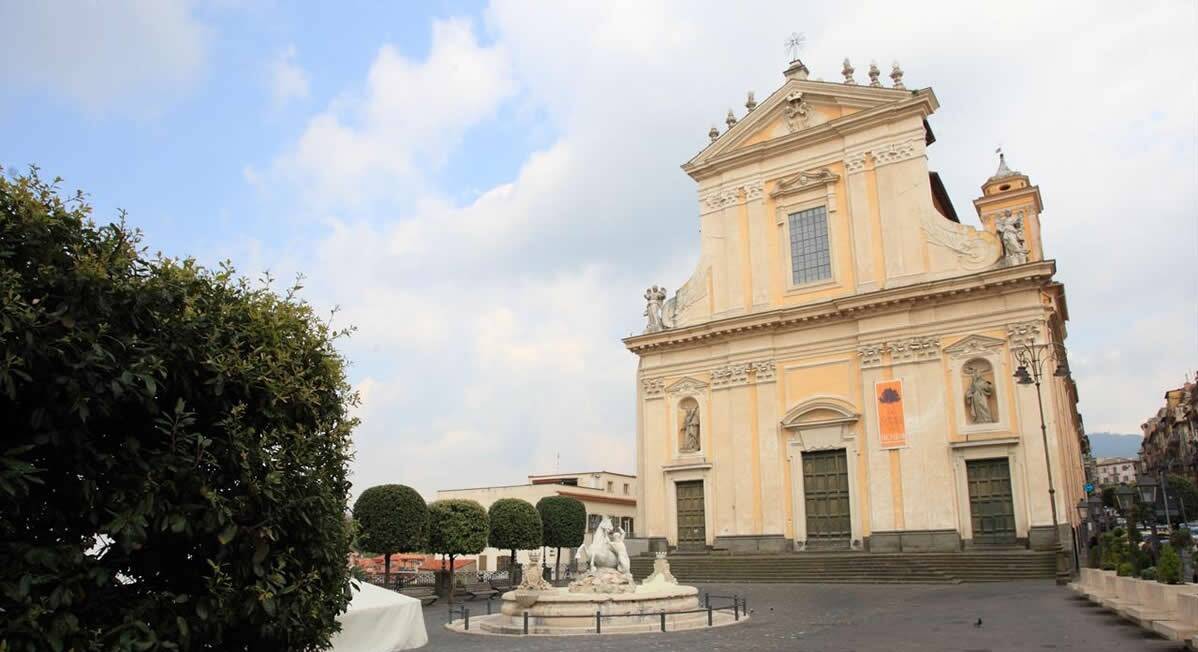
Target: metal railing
[[738, 606]]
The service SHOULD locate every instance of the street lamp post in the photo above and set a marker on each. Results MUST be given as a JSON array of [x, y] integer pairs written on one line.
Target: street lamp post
[[1031, 358]]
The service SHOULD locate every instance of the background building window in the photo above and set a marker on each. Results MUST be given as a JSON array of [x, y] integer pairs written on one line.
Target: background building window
[[625, 488], [810, 258]]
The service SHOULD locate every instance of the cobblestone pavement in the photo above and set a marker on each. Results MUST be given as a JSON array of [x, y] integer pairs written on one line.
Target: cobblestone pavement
[[1028, 615]]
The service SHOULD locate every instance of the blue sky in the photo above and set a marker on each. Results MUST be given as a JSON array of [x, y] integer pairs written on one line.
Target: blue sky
[[487, 188]]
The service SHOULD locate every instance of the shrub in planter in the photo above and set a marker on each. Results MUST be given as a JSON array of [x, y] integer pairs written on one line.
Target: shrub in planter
[[1124, 570], [1148, 573], [1169, 566]]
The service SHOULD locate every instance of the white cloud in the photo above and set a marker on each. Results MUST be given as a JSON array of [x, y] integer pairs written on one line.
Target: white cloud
[[490, 331], [288, 81], [408, 117], [124, 54]]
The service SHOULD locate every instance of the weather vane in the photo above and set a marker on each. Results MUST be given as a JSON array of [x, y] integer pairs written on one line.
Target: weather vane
[[793, 44]]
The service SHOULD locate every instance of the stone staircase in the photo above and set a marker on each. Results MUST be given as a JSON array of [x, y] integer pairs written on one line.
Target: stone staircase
[[857, 567]]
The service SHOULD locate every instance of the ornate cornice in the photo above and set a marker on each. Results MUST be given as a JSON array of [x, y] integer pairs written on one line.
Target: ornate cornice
[[738, 373], [973, 345], [1024, 332], [845, 308], [687, 386], [731, 196], [914, 349], [803, 181], [902, 351], [653, 386]]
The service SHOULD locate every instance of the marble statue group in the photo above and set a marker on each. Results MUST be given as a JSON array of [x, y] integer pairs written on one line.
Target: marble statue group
[[608, 567]]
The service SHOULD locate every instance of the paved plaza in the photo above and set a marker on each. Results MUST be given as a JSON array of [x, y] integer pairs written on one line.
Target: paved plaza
[[1029, 615]]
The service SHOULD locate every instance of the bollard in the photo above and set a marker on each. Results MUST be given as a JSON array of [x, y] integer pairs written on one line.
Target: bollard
[[736, 608], [709, 615], [466, 616], [526, 623], [598, 623], [707, 600], [488, 606], [663, 621], [744, 605]]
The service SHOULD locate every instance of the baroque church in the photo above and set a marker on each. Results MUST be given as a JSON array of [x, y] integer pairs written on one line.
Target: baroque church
[[849, 366]]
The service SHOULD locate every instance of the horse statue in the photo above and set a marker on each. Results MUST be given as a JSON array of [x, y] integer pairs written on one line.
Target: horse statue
[[606, 550]]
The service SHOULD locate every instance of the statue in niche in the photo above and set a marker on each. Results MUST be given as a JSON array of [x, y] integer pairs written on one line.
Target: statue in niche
[[977, 395], [690, 428], [1010, 231], [654, 296]]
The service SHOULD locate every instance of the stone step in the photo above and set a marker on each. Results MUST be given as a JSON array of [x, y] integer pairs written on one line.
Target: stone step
[[859, 567]]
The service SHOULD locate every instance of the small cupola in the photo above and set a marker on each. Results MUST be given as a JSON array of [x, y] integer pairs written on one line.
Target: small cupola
[[1009, 197], [1005, 179]]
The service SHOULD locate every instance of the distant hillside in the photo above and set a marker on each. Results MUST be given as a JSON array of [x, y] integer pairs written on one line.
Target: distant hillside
[[1109, 444]]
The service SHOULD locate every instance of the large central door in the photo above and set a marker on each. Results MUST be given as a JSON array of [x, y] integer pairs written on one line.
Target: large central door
[[692, 524], [826, 492], [990, 506]]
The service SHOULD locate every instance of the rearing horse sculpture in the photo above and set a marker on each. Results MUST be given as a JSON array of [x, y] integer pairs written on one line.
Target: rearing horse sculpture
[[606, 551]]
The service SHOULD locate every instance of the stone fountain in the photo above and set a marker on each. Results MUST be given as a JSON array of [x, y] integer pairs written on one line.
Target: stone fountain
[[606, 588]]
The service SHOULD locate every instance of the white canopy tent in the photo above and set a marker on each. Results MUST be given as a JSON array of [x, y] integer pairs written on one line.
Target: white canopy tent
[[379, 620]]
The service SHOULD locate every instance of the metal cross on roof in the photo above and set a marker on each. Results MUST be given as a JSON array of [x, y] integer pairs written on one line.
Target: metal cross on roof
[[794, 43]]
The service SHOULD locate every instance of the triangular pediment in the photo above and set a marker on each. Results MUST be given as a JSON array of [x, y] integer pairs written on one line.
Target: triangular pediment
[[974, 344], [797, 106], [686, 384]]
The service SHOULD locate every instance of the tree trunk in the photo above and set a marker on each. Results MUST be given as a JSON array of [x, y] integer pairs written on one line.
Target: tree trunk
[[387, 570], [512, 565], [452, 580], [557, 564]]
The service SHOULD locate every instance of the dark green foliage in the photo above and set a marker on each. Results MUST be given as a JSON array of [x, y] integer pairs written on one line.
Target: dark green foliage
[[1148, 573], [1125, 570], [1108, 498], [456, 527], [563, 521], [1182, 492], [1180, 538], [1093, 558], [515, 525], [174, 446], [392, 518], [1168, 569]]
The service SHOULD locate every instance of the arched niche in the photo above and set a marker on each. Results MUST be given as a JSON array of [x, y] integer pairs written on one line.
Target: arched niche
[[690, 426], [979, 392]]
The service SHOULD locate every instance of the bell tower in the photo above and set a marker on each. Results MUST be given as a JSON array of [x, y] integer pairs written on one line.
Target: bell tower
[[1011, 190]]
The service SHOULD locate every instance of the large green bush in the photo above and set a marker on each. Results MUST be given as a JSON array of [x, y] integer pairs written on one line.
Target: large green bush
[[1168, 568], [174, 446], [456, 527], [392, 518], [515, 525], [563, 524]]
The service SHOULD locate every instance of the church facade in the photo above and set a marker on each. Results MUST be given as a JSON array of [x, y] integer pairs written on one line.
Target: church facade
[[839, 372]]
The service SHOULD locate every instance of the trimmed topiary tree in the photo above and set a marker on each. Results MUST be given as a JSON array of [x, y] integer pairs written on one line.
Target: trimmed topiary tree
[[174, 450], [456, 527], [515, 525], [563, 524], [392, 518]]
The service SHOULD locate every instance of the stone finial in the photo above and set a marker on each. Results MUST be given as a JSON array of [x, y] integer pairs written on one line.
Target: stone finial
[[848, 71], [731, 119], [714, 133], [873, 74], [896, 75], [751, 102]]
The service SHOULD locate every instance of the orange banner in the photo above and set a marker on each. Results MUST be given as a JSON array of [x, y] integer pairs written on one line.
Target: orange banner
[[891, 425]]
